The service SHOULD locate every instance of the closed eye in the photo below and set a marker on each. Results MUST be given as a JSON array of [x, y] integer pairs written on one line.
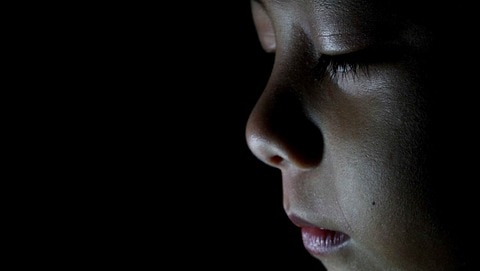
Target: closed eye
[[356, 63]]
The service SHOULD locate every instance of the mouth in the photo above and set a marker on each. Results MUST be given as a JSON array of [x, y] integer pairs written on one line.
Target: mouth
[[319, 241]]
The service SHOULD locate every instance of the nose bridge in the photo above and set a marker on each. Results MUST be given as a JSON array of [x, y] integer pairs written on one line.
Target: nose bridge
[[278, 131]]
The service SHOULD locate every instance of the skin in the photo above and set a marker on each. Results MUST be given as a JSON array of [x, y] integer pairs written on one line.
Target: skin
[[355, 142]]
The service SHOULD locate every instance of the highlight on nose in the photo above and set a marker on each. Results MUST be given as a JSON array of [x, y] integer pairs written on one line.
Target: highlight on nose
[[265, 151], [280, 134]]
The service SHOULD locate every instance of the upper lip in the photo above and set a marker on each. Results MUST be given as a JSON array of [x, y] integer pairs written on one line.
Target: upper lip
[[303, 223], [299, 222]]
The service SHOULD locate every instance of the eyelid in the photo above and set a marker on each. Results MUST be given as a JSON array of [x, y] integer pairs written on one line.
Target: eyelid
[[259, 2], [373, 54], [346, 43], [358, 61], [264, 26]]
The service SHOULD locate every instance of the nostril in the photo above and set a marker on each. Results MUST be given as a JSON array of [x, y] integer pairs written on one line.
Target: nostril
[[276, 160]]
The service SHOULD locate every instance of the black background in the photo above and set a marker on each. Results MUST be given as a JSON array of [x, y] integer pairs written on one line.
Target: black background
[[190, 190], [129, 149], [136, 141]]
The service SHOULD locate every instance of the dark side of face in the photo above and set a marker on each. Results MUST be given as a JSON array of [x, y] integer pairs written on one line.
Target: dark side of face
[[353, 117]]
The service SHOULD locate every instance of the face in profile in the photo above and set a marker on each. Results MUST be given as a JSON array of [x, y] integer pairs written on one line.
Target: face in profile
[[346, 117]]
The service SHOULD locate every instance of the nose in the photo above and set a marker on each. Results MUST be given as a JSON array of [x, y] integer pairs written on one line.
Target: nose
[[280, 133]]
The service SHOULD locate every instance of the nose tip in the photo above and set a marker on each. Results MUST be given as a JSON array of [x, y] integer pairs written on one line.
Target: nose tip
[[281, 135], [265, 151]]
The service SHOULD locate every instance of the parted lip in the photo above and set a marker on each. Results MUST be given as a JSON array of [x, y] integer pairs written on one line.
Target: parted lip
[[317, 240]]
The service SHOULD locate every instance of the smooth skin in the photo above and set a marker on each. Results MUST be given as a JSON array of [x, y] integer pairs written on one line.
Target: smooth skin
[[346, 116]]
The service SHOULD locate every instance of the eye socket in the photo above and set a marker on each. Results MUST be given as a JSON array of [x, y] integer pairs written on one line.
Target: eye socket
[[264, 26]]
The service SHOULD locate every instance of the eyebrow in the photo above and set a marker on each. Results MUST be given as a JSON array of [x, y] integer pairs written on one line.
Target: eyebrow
[[261, 2], [283, 2]]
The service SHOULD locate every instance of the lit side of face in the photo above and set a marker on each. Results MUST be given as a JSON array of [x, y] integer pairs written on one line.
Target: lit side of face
[[342, 117]]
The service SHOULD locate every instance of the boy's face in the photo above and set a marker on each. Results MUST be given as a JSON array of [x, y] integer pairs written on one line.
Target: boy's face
[[342, 116]]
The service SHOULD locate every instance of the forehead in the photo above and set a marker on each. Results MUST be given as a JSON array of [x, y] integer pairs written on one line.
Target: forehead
[[366, 9], [345, 25], [386, 5], [341, 13], [415, 11], [325, 3]]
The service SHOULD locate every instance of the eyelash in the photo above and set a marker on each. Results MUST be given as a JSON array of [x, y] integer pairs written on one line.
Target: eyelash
[[350, 64], [354, 64]]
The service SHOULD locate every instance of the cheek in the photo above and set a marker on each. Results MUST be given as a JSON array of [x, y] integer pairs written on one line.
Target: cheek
[[372, 131], [382, 108], [387, 215]]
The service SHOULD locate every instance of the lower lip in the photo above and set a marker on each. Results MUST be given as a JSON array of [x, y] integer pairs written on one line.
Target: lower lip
[[321, 242]]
